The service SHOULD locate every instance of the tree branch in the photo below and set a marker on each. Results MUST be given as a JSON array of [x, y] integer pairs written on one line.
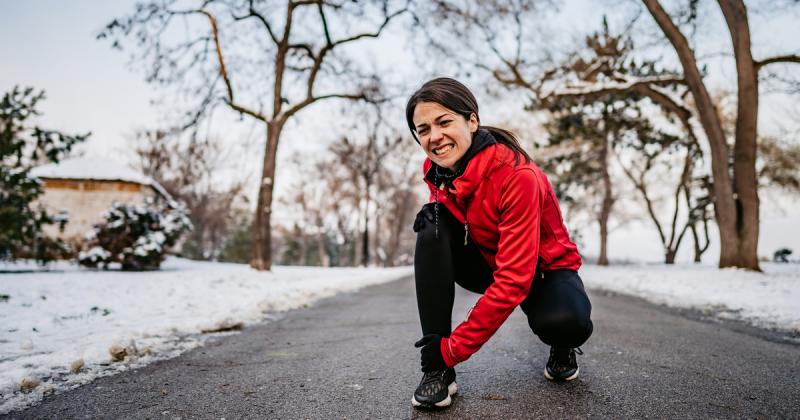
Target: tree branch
[[224, 73], [641, 186], [310, 100], [375, 34], [616, 87], [791, 58], [252, 13], [303, 47], [305, 2], [320, 57], [324, 24]]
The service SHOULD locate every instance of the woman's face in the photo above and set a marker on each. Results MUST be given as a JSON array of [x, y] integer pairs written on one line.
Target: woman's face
[[443, 134]]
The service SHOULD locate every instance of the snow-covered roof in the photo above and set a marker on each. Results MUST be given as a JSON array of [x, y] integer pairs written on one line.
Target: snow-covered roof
[[97, 169]]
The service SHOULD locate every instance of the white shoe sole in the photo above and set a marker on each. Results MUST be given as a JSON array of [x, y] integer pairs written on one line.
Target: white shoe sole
[[452, 389], [569, 378]]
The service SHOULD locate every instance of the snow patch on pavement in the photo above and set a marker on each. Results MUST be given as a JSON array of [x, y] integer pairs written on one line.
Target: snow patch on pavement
[[66, 317], [769, 300]]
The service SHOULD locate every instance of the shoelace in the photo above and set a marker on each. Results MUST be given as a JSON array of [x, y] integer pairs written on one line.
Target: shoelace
[[431, 377], [430, 383], [566, 358]]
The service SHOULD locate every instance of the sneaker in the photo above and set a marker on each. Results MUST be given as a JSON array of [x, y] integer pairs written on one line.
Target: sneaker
[[562, 365], [435, 389]]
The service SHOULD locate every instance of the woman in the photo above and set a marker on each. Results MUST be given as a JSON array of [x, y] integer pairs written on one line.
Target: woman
[[494, 227]]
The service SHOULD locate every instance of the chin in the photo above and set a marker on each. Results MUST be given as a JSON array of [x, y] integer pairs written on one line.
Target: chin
[[445, 164], [448, 163]]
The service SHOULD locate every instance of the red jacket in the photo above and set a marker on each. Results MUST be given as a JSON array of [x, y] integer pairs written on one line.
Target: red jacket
[[512, 215]]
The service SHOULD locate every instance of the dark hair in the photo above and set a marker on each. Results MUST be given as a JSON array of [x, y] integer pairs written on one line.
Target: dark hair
[[453, 95]]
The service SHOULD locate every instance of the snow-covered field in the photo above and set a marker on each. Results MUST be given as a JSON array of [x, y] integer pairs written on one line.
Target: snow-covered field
[[768, 300], [54, 321]]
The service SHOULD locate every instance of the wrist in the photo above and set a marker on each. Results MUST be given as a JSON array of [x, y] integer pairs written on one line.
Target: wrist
[[447, 355]]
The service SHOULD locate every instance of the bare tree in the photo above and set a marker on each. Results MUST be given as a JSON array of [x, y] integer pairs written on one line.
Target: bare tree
[[593, 124], [323, 203], [364, 161], [329, 196], [295, 44], [651, 146], [314, 194], [735, 184], [398, 199], [189, 169], [735, 187], [608, 63]]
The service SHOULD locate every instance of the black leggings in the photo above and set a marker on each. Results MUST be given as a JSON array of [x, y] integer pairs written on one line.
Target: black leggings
[[557, 306]]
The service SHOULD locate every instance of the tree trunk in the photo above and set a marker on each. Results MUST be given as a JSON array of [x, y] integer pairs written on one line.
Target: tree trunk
[[698, 249], [322, 248], [696, 239], [365, 243], [303, 247], [380, 253], [744, 166], [670, 256], [324, 258], [603, 258], [724, 204], [402, 202], [353, 250], [262, 224], [605, 211]]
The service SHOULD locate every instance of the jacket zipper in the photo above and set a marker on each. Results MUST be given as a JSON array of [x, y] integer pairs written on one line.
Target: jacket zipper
[[466, 223]]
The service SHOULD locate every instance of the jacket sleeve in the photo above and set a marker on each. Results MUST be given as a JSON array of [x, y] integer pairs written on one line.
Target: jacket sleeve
[[517, 253]]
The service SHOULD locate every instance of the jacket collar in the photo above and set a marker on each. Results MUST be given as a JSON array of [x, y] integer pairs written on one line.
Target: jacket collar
[[471, 169]]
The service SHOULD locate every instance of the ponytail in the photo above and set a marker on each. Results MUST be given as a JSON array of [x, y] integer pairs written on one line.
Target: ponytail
[[508, 138]]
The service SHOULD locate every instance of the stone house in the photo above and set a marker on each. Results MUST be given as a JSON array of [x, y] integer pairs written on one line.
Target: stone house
[[83, 188]]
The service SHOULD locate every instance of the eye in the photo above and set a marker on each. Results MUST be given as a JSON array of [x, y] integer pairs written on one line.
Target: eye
[[445, 123], [422, 132]]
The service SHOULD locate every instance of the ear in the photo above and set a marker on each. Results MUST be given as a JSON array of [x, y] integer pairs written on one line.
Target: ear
[[473, 123]]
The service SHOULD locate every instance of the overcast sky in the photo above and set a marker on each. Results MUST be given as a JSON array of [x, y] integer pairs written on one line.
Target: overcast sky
[[50, 45]]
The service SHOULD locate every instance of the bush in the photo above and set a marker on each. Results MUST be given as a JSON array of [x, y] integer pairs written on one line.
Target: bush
[[781, 255], [23, 146], [134, 235], [238, 246]]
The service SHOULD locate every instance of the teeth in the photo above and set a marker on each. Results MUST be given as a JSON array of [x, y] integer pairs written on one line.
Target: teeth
[[443, 149]]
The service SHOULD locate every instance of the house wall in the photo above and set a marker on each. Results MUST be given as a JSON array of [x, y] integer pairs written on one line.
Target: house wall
[[85, 201]]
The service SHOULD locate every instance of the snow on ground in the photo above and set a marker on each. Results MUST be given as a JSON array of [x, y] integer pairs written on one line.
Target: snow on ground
[[52, 319], [768, 300]]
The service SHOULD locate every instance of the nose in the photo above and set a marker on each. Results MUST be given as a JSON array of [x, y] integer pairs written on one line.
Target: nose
[[436, 134]]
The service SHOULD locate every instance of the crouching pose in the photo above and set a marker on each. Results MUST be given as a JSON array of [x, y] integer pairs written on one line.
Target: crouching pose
[[493, 226]]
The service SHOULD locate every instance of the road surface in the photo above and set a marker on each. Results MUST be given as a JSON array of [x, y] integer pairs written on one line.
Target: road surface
[[351, 356]]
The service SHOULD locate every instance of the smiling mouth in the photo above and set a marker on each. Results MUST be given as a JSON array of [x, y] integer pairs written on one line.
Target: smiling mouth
[[443, 149]]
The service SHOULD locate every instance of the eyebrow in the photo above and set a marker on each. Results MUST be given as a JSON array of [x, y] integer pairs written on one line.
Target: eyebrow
[[434, 120]]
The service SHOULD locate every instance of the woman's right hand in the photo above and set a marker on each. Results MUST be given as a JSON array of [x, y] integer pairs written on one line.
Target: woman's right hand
[[426, 215], [431, 356]]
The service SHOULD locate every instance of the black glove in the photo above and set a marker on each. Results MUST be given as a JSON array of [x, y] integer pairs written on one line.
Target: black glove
[[427, 214], [431, 353]]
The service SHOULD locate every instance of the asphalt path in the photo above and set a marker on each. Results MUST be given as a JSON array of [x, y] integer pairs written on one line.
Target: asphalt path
[[352, 356]]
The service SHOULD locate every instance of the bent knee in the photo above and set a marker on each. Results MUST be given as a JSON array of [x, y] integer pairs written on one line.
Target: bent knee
[[563, 329], [431, 222], [564, 321]]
